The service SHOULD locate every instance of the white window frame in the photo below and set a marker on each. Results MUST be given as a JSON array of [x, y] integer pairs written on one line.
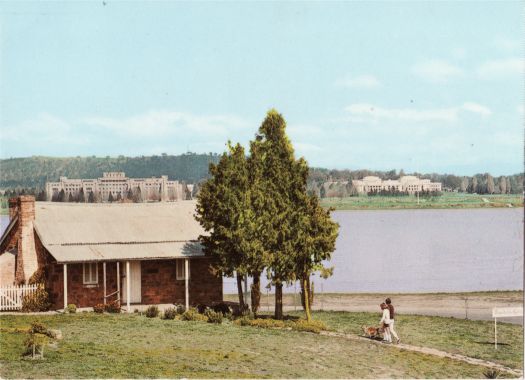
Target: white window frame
[[179, 269], [87, 268]]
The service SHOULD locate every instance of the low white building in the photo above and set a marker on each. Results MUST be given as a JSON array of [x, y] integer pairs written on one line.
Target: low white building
[[410, 184], [115, 183]]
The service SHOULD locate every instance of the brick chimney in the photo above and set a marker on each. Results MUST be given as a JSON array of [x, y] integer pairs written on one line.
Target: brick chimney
[[26, 261], [13, 207]]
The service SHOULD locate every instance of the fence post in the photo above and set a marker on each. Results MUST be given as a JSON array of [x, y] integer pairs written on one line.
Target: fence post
[[295, 296], [322, 295]]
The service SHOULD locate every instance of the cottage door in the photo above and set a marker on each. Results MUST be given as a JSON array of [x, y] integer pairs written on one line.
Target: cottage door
[[135, 283]]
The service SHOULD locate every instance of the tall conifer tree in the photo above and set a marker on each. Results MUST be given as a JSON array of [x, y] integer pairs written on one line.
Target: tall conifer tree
[[221, 204]]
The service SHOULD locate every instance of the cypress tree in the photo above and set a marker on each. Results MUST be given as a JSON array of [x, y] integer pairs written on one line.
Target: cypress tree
[[280, 188], [61, 196], [81, 196], [317, 234], [221, 204]]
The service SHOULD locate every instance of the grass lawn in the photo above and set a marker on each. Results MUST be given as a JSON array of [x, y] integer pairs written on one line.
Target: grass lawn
[[470, 338], [119, 346], [447, 200]]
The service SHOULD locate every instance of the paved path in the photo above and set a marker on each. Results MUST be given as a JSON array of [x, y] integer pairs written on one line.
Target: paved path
[[430, 351]]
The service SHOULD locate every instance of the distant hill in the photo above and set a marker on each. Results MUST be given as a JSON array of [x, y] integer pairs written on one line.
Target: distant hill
[[36, 171]]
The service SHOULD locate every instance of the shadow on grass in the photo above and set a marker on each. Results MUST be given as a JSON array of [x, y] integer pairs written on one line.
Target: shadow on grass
[[492, 343]]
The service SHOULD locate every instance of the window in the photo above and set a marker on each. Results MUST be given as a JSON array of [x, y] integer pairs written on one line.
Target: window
[[180, 269], [90, 273]]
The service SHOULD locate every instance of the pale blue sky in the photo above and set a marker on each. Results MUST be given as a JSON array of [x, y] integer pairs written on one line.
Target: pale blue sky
[[427, 86]]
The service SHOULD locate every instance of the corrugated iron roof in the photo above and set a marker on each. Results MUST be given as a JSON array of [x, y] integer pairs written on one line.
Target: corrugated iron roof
[[75, 232], [114, 252]]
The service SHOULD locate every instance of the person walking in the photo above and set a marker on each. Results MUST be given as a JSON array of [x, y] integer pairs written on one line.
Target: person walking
[[388, 302], [385, 322]]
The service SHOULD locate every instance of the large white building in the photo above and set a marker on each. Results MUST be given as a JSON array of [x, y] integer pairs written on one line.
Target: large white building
[[410, 184], [116, 183]]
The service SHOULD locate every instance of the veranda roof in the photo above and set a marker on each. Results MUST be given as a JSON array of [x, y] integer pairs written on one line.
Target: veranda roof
[[78, 232]]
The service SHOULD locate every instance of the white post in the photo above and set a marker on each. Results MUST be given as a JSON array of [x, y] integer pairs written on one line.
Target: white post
[[104, 271], [65, 287], [186, 284], [128, 295], [118, 282], [495, 333]]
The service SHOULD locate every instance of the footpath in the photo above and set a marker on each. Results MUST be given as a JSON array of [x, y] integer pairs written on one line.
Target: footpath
[[430, 351]]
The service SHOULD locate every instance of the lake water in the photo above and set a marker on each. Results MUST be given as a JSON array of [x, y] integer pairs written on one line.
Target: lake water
[[422, 251]]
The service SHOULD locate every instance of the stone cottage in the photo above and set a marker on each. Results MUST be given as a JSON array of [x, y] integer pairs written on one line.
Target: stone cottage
[[87, 254]]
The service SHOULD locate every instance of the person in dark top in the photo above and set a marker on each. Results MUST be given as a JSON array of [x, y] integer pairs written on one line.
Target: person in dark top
[[388, 302]]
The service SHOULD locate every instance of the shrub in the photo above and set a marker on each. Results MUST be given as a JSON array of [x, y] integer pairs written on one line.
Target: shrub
[[201, 308], [222, 308], [193, 315], [180, 309], [152, 311], [113, 307], [71, 308], [169, 313], [267, 323], [240, 312], [37, 301], [34, 343], [243, 321], [38, 328], [312, 326], [491, 374], [213, 316], [99, 308]]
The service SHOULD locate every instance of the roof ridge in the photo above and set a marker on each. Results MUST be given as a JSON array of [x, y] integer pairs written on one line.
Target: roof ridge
[[125, 242]]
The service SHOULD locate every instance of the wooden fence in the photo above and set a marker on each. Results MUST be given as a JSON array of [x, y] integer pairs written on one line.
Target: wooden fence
[[11, 296]]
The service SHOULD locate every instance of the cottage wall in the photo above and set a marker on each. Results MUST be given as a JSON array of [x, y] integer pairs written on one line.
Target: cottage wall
[[77, 293], [159, 284]]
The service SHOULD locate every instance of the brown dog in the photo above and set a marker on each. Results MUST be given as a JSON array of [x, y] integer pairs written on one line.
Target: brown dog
[[372, 332]]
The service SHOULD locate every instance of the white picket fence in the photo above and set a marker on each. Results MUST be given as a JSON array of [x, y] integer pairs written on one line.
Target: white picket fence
[[11, 296]]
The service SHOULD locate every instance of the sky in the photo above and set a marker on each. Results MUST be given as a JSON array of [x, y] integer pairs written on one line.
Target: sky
[[429, 86]]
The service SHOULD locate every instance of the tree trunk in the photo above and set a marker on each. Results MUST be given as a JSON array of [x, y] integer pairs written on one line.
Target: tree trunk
[[307, 288], [239, 290], [306, 299], [256, 293], [279, 301]]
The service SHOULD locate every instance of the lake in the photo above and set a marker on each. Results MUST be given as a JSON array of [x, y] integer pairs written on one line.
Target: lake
[[422, 251]]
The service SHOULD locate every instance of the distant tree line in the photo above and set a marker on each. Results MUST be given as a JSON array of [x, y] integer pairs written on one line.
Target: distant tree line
[[34, 172], [327, 183], [30, 174]]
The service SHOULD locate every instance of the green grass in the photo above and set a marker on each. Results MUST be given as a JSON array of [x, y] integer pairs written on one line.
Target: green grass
[[447, 200], [470, 338], [132, 346]]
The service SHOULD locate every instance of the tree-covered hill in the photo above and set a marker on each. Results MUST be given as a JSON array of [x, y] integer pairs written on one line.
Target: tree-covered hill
[[34, 172]]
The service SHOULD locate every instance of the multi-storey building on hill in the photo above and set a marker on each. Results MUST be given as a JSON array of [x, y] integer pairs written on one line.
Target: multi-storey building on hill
[[410, 184], [116, 186]]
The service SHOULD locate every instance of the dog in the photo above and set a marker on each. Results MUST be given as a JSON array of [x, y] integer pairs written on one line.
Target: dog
[[372, 332]]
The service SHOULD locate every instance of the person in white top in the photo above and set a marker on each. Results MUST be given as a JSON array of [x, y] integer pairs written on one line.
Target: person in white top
[[385, 321], [388, 302]]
